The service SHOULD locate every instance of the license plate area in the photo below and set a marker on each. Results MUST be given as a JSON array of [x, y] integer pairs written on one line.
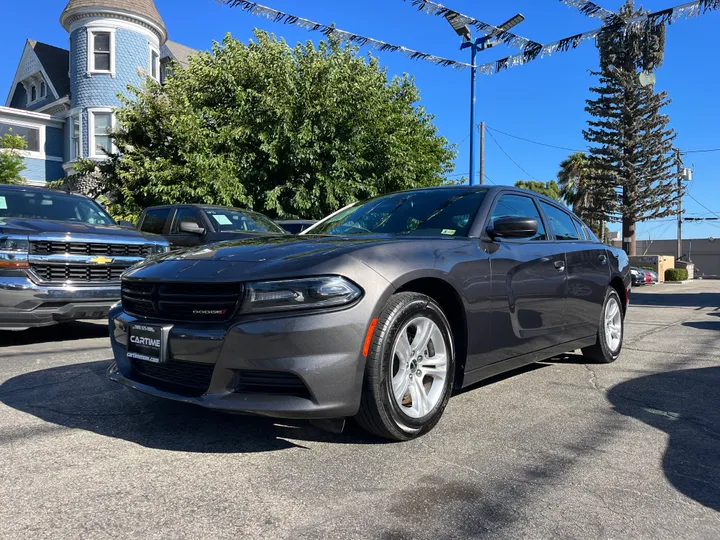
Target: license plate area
[[148, 342]]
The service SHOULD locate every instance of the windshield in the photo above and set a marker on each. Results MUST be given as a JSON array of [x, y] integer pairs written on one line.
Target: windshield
[[51, 205], [228, 219], [432, 212]]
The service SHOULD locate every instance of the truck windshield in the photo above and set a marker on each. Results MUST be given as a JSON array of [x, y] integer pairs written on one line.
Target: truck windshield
[[51, 205], [232, 220]]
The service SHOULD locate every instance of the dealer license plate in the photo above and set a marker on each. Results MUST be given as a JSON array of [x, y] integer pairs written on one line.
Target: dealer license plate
[[147, 343]]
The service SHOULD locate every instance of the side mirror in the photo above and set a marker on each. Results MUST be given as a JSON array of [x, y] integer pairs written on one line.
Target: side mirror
[[125, 224], [191, 227], [513, 227]]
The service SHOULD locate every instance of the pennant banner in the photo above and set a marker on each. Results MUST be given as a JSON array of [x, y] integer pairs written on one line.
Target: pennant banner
[[348, 37], [513, 40], [591, 9], [669, 16]]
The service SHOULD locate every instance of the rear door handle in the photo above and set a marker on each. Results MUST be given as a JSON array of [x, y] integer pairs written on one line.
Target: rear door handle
[[559, 266]]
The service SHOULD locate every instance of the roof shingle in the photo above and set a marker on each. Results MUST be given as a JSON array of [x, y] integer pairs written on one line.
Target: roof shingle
[[146, 8]]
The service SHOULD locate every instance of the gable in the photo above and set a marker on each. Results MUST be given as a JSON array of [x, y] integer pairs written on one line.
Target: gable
[[41, 62]]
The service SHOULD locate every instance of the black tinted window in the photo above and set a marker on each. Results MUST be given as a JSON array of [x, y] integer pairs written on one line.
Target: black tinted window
[[519, 206], [184, 215], [561, 224], [433, 212], [581, 230], [51, 205], [154, 221]]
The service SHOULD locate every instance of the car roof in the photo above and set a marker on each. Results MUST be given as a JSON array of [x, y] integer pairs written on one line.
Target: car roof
[[40, 190], [202, 206]]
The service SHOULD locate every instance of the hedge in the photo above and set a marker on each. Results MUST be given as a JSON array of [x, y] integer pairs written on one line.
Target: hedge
[[676, 274]]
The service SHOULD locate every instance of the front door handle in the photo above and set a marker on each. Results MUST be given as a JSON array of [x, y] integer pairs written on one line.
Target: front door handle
[[603, 259], [560, 266]]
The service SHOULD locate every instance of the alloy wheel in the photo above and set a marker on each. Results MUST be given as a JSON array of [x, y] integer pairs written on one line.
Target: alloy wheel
[[419, 367], [613, 324]]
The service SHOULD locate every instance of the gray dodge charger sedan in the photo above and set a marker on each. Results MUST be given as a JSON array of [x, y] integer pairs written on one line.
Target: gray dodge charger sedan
[[378, 312]]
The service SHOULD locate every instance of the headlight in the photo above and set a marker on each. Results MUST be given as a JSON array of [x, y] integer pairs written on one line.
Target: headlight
[[161, 248], [14, 251], [294, 294]]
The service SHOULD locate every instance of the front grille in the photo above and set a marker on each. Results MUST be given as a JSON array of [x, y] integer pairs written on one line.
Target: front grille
[[197, 302], [269, 382], [190, 379], [43, 247], [77, 273]]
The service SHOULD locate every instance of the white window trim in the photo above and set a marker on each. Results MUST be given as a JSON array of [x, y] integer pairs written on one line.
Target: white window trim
[[41, 139], [91, 131], [154, 49], [91, 31], [43, 90], [72, 118]]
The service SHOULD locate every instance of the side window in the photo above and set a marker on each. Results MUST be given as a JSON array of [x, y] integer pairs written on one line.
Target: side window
[[154, 221], [519, 206], [184, 215], [561, 224], [581, 230]]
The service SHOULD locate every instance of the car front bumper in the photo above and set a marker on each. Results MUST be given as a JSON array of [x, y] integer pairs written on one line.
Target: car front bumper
[[25, 304], [310, 365]]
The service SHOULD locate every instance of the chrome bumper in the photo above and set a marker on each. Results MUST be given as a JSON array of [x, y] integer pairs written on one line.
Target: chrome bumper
[[25, 304]]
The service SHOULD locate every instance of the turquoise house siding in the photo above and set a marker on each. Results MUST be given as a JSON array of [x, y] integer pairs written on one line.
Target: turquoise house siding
[[54, 142], [42, 170]]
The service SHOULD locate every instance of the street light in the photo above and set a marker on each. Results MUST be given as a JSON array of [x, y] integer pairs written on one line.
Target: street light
[[459, 24]]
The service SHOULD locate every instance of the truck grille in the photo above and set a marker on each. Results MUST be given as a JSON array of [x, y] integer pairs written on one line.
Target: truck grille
[[197, 302], [80, 274], [43, 247], [190, 379]]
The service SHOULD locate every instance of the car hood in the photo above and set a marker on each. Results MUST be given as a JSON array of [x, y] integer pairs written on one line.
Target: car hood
[[278, 248], [36, 227]]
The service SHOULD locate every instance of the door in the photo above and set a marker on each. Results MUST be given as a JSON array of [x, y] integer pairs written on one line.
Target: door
[[529, 281], [179, 238]]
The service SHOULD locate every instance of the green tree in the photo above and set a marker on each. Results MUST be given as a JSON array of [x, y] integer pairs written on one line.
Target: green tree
[[578, 190], [549, 189], [293, 132], [12, 163], [631, 154]]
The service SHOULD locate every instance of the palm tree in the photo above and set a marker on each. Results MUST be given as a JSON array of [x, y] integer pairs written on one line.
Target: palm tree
[[573, 180], [576, 189]]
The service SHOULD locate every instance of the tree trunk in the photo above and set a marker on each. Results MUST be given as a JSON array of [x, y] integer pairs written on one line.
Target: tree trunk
[[628, 232]]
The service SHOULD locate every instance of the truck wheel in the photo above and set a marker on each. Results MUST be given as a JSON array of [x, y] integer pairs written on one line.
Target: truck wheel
[[410, 369]]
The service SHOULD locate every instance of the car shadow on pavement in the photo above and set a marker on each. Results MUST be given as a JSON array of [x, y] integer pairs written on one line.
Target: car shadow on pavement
[[685, 404], [695, 300], [71, 331], [703, 325], [80, 396]]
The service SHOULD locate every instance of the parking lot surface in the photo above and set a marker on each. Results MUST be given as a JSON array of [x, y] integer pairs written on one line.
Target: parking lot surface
[[560, 449]]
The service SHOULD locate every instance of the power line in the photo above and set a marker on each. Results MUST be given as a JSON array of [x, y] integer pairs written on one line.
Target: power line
[[534, 142], [510, 158], [701, 151], [701, 204]]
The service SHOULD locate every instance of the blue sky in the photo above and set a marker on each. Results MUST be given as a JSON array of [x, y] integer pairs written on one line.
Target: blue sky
[[543, 101]]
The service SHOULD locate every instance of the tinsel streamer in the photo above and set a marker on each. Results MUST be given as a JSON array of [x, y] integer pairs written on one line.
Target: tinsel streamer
[[683, 11], [348, 37], [438, 10], [590, 9]]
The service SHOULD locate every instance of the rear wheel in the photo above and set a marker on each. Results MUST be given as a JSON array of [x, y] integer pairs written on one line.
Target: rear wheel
[[610, 332], [410, 369]]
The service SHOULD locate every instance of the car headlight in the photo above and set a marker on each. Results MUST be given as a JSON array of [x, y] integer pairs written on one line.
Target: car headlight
[[295, 294], [161, 248], [14, 251]]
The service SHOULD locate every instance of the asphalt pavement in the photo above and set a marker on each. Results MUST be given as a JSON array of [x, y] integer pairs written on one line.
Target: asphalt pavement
[[561, 449]]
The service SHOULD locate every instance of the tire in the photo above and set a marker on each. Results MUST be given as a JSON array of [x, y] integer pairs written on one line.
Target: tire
[[606, 350], [403, 324]]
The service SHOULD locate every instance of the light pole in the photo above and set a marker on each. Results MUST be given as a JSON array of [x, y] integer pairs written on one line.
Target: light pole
[[476, 46]]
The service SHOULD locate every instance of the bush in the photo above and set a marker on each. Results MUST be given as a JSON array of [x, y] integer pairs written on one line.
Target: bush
[[676, 274]]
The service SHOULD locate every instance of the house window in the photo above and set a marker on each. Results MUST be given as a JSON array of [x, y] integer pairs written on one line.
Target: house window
[[75, 140], [43, 89], [31, 135], [33, 93], [155, 64], [102, 124], [102, 50]]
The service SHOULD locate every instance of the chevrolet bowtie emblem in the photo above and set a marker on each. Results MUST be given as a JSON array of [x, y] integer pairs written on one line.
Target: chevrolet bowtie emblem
[[101, 260]]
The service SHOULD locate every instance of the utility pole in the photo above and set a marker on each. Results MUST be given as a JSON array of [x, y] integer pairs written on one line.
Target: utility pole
[[482, 153], [679, 212]]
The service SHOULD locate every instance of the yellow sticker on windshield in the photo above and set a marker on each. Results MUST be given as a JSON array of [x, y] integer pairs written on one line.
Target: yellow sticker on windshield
[[449, 232]]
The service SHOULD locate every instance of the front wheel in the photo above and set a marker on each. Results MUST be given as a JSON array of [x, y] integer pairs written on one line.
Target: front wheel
[[610, 332], [410, 369]]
